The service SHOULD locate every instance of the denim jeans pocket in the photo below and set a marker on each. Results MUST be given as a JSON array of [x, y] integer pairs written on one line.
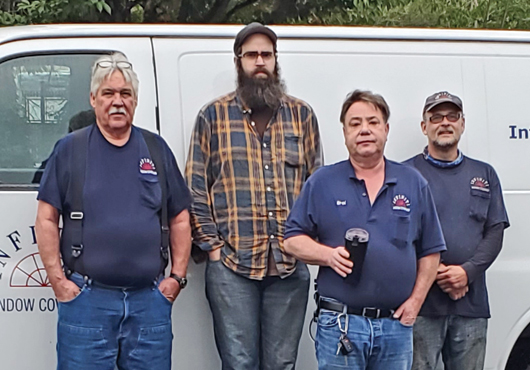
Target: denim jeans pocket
[[79, 332], [327, 319], [78, 297], [403, 325], [164, 298]]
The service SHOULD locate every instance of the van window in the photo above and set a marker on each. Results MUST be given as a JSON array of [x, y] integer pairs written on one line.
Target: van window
[[42, 98]]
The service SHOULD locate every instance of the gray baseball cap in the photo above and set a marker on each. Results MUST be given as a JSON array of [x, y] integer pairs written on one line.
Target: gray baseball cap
[[250, 30], [442, 97]]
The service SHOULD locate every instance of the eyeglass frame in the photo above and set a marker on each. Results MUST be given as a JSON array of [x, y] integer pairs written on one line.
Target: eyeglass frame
[[258, 54], [459, 115]]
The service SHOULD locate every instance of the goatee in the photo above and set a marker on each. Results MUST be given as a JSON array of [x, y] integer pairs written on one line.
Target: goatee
[[259, 93]]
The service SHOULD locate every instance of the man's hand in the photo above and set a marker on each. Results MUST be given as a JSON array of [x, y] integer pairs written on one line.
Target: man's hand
[[66, 290], [215, 255], [408, 311], [456, 294], [339, 262], [451, 278], [170, 288]]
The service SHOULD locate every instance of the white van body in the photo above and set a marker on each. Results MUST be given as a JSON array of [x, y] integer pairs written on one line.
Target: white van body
[[181, 68]]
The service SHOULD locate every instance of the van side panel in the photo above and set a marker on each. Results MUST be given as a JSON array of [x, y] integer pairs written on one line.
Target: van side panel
[[28, 309], [490, 77]]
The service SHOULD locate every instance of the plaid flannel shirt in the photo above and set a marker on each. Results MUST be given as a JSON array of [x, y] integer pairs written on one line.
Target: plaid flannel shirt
[[243, 185]]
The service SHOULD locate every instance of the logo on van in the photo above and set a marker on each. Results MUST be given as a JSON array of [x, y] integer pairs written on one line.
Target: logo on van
[[401, 203], [22, 270], [478, 183], [147, 166], [29, 273]]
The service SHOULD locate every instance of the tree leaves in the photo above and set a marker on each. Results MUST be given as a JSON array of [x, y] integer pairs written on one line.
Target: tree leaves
[[509, 14]]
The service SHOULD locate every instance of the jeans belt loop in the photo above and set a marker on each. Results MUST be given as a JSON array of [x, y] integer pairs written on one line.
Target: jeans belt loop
[[367, 312]]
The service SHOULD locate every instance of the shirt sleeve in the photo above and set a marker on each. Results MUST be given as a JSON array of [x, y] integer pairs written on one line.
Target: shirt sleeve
[[205, 233], [50, 185], [496, 210], [301, 219], [487, 251], [313, 153], [178, 197], [490, 246], [431, 238]]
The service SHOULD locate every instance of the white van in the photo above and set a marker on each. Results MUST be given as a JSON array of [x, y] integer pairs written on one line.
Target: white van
[[44, 80]]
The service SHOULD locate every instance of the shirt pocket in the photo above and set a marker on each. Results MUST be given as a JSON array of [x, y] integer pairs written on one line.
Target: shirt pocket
[[150, 192], [480, 202], [293, 150], [401, 226]]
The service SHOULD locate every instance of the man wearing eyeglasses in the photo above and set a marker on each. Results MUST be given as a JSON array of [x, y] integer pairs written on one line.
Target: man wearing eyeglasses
[[114, 302], [250, 153], [468, 197]]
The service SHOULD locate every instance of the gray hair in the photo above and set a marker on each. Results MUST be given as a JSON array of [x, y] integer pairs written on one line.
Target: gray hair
[[101, 74]]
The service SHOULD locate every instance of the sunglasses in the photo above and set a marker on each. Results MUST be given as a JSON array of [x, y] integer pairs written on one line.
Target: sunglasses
[[111, 64]]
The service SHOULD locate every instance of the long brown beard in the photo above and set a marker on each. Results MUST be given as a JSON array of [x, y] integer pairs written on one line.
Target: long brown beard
[[257, 92]]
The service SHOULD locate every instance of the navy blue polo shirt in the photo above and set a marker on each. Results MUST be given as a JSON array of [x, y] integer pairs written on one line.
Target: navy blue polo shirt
[[402, 224], [121, 198]]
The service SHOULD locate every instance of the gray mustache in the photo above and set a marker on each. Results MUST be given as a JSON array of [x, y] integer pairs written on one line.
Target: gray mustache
[[114, 110]]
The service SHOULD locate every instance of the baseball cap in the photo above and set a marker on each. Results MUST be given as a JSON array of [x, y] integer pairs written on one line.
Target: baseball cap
[[442, 97], [252, 29]]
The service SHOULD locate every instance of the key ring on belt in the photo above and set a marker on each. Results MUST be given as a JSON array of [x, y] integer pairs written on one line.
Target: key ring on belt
[[346, 320]]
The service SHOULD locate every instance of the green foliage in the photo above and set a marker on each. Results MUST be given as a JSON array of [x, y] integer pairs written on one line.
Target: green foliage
[[508, 14], [53, 11]]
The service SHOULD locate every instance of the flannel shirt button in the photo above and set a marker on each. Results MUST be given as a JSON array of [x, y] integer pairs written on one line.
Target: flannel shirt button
[[253, 123], [264, 145], [270, 214], [266, 166], [269, 188], [272, 236]]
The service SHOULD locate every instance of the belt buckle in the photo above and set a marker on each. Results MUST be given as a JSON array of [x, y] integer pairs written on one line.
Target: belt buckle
[[371, 312]]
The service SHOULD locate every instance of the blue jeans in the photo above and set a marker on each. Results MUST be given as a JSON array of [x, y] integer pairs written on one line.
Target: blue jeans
[[461, 341], [378, 344], [257, 323], [104, 328]]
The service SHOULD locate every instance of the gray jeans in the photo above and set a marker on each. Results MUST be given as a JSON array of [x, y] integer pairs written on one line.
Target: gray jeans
[[257, 323], [461, 342]]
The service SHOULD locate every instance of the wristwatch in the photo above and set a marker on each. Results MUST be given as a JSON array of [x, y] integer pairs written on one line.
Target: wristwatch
[[181, 280]]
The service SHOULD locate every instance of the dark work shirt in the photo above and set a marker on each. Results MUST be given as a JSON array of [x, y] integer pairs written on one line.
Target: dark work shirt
[[260, 118], [402, 226], [470, 206], [121, 200]]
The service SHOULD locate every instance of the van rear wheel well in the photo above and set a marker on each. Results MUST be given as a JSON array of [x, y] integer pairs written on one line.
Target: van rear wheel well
[[520, 355]]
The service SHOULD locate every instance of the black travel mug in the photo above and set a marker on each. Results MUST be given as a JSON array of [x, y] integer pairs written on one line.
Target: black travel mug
[[356, 243]]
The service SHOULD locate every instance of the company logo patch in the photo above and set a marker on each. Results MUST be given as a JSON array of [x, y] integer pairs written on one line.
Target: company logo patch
[[443, 95], [478, 183], [341, 202], [401, 203], [147, 167]]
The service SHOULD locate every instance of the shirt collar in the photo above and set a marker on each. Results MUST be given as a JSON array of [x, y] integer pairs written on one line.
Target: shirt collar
[[442, 164], [390, 172], [244, 109]]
